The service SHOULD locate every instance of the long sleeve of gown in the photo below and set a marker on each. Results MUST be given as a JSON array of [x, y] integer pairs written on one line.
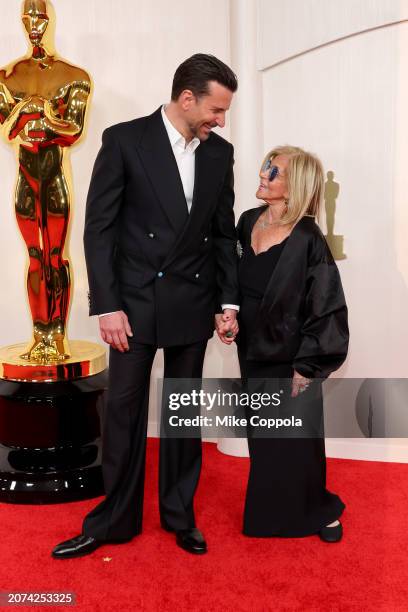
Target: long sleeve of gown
[[324, 333]]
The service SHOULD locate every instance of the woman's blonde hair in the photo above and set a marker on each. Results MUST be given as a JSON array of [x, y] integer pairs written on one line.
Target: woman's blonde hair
[[305, 178]]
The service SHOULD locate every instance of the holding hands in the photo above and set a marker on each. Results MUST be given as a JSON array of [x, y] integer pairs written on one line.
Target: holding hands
[[226, 325]]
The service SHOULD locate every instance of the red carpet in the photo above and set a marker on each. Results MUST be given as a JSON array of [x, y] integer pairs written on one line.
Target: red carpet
[[367, 571]]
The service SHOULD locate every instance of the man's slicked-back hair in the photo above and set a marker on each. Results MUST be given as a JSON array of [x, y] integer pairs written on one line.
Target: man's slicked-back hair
[[197, 71]]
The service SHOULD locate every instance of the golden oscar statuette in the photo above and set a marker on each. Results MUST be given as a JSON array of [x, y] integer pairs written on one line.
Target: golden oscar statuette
[[50, 388], [43, 106]]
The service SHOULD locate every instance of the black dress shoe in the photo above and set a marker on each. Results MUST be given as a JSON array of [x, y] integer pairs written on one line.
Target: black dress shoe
[[76, 547], [191, 540], [331, 534]]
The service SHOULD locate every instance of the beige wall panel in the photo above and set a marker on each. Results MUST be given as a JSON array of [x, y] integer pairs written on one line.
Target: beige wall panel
[[295, 26]]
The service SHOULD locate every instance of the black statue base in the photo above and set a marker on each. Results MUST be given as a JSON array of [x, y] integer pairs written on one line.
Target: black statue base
[[50, 440]]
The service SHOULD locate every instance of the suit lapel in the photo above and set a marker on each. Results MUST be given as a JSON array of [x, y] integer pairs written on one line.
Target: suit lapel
[[161, 167], [207, 174]]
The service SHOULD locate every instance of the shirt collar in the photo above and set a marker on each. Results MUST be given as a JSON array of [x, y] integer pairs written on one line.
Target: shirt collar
[[177, 139]]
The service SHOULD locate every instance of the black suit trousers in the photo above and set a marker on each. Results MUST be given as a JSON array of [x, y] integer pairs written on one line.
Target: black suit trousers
[[119, 515]]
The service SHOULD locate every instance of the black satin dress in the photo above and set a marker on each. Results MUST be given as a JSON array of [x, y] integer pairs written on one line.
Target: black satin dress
[[286, 494]]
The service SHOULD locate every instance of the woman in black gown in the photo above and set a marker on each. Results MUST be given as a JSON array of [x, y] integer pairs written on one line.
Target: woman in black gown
[[293, 324]]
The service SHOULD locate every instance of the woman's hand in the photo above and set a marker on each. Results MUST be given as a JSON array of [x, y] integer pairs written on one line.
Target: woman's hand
[[299, 384], [226, 324]]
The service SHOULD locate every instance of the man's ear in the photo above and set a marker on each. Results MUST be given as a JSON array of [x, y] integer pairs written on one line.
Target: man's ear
[[186, 99]]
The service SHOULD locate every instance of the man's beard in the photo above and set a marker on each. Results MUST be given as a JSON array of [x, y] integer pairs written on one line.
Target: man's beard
[[194, 129]]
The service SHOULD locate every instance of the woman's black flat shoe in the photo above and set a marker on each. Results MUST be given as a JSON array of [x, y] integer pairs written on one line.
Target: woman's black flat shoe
[[331, 534]]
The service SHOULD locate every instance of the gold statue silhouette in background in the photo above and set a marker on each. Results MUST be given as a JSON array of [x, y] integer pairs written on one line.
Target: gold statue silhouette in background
[[43, 102], [331, 193]]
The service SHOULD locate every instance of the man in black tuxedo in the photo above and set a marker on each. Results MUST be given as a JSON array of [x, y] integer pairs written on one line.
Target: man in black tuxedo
[[160, 247]]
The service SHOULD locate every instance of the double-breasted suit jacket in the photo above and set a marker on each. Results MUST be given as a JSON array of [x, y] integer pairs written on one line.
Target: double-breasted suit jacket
[[168, 269]]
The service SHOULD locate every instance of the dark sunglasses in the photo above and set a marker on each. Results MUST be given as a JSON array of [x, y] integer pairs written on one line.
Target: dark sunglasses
[[273, 170]]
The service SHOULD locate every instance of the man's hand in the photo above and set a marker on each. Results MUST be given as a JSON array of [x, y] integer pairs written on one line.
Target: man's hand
[[299, 384], [227, 323], [115, 329]]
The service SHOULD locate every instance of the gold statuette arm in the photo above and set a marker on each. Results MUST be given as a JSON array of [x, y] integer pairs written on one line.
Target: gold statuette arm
[[13, 113], [7, 103], [65, 113], [10, 110]]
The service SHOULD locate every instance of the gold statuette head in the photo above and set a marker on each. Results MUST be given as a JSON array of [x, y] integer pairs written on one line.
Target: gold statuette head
[[35, 19]]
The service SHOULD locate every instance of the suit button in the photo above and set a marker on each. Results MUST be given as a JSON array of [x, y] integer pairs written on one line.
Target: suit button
[[151, 235], [206, 239], [160, 274], [197, 275]]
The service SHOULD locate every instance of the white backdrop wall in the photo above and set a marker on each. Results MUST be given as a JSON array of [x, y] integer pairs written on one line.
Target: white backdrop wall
[[328, 75]]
